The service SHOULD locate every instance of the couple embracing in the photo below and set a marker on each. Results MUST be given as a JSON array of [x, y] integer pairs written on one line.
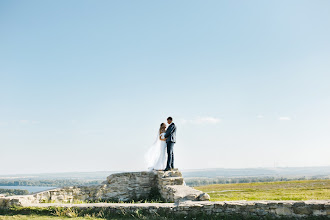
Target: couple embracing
[[160, 156]]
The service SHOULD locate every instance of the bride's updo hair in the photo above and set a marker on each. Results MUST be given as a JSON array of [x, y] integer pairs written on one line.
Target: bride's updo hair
[[162, 128]]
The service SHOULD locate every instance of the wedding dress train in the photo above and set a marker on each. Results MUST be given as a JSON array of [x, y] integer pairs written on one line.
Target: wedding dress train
[[156, 156]]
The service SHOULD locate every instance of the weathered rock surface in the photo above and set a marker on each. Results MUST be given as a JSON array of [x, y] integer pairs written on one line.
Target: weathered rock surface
[[130, 186]]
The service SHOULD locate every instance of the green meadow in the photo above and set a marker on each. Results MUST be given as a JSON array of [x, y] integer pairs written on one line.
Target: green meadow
[[288, 190]]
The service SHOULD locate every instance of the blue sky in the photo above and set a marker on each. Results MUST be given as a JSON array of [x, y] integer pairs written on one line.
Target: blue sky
[[84, 85]]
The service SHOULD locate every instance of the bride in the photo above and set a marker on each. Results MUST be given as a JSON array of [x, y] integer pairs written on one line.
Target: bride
[[156, 156]]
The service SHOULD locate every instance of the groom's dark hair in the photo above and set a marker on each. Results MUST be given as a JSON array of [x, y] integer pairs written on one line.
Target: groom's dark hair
[[170, 118]]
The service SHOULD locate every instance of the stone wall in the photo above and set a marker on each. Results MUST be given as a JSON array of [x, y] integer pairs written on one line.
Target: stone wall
[[130, 186], [317, 209]]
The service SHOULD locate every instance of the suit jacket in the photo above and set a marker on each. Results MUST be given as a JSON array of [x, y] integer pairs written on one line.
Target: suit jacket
[[171, 133]]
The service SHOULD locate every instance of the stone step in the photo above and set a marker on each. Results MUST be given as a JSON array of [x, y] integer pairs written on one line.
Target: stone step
[[177, 193], [171, 181], [172, 173]]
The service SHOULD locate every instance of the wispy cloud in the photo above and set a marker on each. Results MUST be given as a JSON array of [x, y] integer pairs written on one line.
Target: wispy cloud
[[202, 120], [24, 121], [284, 118], [260, 116]]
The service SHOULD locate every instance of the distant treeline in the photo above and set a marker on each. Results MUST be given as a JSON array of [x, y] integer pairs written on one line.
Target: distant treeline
[[222, 180], [11, 192], [55, 182], [191, 181]]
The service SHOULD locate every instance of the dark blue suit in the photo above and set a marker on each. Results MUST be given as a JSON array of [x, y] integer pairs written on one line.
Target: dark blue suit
[[170, 136]]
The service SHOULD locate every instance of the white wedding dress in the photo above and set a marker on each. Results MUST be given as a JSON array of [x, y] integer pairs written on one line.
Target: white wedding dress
[[156, 156]]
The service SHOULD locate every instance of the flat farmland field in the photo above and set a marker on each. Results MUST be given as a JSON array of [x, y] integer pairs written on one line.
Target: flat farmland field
[[288, 190]]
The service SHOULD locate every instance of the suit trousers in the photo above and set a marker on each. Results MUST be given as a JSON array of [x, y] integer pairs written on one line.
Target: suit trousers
[[170, 155]]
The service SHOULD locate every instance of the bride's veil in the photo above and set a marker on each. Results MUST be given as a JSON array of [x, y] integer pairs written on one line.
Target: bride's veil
[[153, 153]]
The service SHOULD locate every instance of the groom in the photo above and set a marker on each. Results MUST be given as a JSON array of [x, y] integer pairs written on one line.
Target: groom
[[170, 136]]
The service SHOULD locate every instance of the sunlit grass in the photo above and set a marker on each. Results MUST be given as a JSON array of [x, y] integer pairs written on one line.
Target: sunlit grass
[[289, 190]]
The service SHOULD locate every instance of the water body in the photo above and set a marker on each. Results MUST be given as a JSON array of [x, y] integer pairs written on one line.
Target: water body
[[31, 189]]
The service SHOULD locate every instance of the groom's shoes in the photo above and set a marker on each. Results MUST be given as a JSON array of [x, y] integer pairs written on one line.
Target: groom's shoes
[[169, 169]]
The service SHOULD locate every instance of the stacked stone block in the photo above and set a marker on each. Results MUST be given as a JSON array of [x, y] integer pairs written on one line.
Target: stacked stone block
[[172, 188]]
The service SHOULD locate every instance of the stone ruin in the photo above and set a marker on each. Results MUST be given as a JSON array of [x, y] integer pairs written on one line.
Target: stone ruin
[[119, 187], [166, 187]]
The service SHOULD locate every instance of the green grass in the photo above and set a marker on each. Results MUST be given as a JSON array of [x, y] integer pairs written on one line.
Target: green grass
[[39, 213], [97, 213], [38, 217], [288, 190]]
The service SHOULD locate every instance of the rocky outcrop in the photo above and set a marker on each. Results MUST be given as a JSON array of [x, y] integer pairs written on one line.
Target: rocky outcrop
[[131, 186]]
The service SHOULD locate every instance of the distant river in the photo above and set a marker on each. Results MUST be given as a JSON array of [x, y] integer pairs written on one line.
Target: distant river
[[31, 189]]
